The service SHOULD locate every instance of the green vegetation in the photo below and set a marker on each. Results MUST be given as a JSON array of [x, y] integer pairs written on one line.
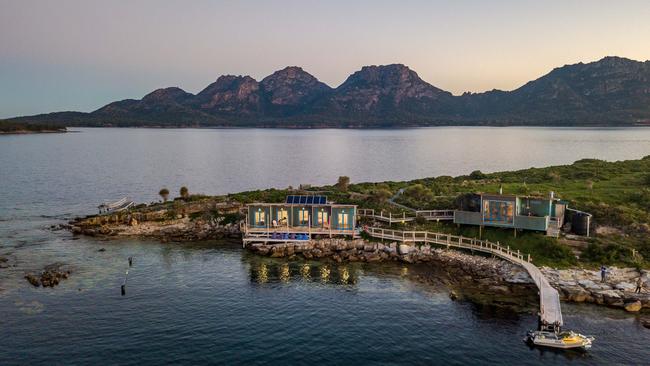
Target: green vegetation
[[164, 193], [184, 192], [616, 193], [17, 127], [343, 183]]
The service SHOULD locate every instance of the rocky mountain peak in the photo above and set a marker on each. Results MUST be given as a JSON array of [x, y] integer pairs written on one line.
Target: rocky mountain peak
[[167, 94], [292, 86]]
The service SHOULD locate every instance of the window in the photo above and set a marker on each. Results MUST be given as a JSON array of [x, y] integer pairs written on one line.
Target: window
[[282, 216], [323, 218], [498, 212], [260, 218], [303, 216], [343, 220]]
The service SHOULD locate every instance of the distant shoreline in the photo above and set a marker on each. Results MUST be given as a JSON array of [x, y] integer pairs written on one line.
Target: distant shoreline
[[25, 132]]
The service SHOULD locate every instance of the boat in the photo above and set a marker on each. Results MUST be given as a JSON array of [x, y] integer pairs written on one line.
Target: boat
[[561, 340], [120, 205]]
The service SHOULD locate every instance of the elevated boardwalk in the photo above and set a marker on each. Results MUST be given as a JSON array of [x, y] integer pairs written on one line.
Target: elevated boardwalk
[[549, 299], [430, 215]]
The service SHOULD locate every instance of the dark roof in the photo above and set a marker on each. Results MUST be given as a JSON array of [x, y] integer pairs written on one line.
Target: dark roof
[[307, 200]]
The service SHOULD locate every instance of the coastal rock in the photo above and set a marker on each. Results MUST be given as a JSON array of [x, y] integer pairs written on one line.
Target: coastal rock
[[404, 249], [50, 277], [633, 307]]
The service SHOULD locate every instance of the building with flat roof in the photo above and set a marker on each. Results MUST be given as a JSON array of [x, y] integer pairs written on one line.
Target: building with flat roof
[[511, 211], [300, 217]]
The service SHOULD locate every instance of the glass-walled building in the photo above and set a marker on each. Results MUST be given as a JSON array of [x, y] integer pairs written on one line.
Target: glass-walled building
[[298, 218], [509, 211]]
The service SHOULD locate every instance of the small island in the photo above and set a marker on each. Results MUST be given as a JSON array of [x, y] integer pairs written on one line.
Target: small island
[[7, 127], [612, 197]]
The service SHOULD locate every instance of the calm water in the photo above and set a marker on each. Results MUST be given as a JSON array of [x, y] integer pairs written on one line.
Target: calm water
[[210, 302]]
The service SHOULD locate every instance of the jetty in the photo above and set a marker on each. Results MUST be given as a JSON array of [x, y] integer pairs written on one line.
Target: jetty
[[550, 315]]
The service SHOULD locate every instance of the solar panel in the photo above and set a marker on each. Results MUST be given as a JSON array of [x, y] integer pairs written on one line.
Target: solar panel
[[306, 200]]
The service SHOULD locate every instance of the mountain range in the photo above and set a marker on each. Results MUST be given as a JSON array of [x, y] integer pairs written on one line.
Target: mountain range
[[613, 91]]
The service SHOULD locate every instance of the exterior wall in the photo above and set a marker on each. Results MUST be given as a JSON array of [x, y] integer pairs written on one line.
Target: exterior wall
[[531, 223], [321, 209], [293, 216], [528, 213], [258, 208], [350, 211], [467, 218], [533, 206], [498, 210]]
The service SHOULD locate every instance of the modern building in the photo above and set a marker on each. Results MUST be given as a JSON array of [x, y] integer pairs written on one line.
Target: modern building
[[298, 218], [516, 212]]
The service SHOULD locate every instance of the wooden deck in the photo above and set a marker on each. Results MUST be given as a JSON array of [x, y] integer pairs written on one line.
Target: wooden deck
[[430, 215], [263, 234], [549, 299]]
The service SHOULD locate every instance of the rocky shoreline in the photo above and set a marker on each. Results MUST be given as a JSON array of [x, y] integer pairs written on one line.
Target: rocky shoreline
[[210, 220], [491, 275], [193, 221]]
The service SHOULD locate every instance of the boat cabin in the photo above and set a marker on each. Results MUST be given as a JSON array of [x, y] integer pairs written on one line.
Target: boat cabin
[[510, 211], [300, 217]]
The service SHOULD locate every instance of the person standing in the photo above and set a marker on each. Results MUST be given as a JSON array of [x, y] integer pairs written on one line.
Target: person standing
[[639, 285], [603, 273]]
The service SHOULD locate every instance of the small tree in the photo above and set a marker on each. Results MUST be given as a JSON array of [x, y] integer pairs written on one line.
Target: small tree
[[164, 193], [185, 193], [343, 183], [477, 175]]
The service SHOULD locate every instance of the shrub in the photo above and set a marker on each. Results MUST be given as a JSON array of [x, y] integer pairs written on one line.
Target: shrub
[[164, 193], [184, 192], [418, 192], [381, 195], [343, 183], [477, 175]]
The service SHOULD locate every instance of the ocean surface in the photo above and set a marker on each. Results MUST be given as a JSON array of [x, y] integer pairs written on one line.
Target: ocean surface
[[199, 303]]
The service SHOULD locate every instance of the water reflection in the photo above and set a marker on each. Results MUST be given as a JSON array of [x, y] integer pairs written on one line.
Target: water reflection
[[265, 270]]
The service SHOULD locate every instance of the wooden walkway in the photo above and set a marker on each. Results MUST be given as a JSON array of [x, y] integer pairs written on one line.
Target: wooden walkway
[[430, 215], [549, 299]]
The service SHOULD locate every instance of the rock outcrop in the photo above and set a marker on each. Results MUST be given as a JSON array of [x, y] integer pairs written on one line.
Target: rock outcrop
[[182, 221], [581, 285], [51, 276]]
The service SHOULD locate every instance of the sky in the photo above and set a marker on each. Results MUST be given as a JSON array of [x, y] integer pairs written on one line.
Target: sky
[[82, 54]]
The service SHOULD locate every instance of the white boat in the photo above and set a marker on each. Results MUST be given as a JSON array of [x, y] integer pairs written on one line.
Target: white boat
[[562, 340]]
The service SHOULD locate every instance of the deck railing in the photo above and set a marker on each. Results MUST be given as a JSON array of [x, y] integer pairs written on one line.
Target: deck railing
[[549, 298], [390, 218]]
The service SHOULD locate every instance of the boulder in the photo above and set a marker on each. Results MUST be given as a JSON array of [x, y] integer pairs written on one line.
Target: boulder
[[33, 280], [625, 286], [404, 249], [633, 306]]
